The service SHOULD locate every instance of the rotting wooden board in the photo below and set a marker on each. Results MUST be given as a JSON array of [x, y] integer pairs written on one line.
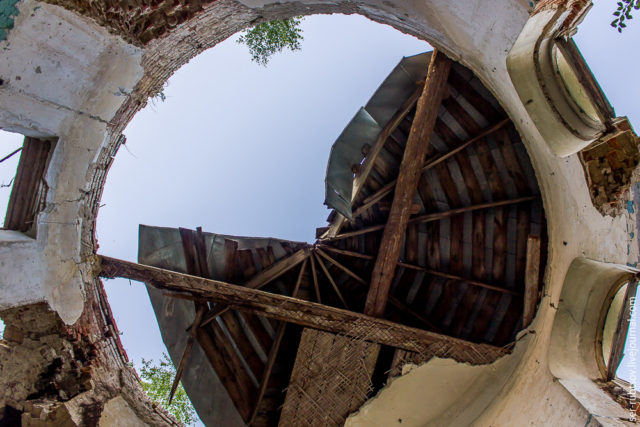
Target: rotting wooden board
[[303, 313], [28, 189]]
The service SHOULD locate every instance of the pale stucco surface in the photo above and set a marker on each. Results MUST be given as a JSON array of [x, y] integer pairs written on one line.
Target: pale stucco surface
[[75, 75]]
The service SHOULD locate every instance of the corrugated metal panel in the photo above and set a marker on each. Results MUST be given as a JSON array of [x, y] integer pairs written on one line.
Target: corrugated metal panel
[[346, 152], [162, 247], [365, 127]]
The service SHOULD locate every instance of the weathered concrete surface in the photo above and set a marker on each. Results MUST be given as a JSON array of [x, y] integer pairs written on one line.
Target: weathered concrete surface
[[54, 374], [66, 81], [118, 413], [65, 76]]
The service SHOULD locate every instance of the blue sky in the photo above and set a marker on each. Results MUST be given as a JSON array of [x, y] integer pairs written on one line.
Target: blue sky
[[241, 149]]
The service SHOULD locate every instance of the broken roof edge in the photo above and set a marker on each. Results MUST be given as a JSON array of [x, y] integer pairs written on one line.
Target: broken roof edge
[[346, 151]]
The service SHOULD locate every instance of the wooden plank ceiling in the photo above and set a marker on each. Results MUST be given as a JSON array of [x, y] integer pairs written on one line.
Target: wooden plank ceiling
[[459, 271]]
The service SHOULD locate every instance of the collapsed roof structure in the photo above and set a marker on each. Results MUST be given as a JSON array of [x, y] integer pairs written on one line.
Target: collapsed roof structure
[[482, 225], [460, 276]]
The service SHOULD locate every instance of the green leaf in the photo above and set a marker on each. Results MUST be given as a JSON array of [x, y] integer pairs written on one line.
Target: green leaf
[[266, 39], [157, 379]]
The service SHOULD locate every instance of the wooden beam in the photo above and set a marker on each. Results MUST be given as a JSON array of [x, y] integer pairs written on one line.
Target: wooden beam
[[425, 269], [462, 279], [388, 188], [263, 278], [345, 252], [333, 283], [340, 266], [393, 300], [437, 216], [372, 155], [278, 269], [622, 329], [407, 183], [531, 280], [239, 395], [301, 312], [314, 273], [186, 352], [273, 352]]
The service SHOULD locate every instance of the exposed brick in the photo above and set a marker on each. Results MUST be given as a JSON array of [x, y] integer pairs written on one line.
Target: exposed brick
[[609, 168]]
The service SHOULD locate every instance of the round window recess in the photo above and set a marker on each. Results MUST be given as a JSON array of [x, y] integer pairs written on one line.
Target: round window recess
[[574, 90], [614, 328]]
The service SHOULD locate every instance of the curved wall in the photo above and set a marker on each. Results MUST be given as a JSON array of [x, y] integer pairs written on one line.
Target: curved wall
[[82, 83]]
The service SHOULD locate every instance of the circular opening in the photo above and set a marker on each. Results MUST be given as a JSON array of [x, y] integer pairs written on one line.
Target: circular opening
[[574, 90], [611, 322], [239, 149], [616, 352]]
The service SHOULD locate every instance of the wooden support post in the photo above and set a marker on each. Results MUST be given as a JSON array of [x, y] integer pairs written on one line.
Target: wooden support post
[[301, 312], [531, 280], [407, 183]]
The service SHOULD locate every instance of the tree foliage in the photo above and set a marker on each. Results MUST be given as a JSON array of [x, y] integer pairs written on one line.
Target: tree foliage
[[623, 13], [272, 37], [156, 382]]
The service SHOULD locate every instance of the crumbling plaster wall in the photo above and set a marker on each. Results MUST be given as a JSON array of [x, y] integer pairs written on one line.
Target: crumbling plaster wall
[[65, 76]]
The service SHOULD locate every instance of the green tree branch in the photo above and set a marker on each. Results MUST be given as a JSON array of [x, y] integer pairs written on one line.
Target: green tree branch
[[268, 38], [623, 12], [156, 382]]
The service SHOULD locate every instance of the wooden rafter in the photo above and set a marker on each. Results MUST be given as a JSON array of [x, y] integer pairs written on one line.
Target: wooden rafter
[[293, 310], [221, 352], [439, 215], [393, 300], [407, 183], [316, 286], [186, 352], [426, 270], [278, 269], [461, 279], [340, 266], [273, 352], [388, 188], [262, 279], [195, 258], [237, 390], [333, 283], [346, 252]]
